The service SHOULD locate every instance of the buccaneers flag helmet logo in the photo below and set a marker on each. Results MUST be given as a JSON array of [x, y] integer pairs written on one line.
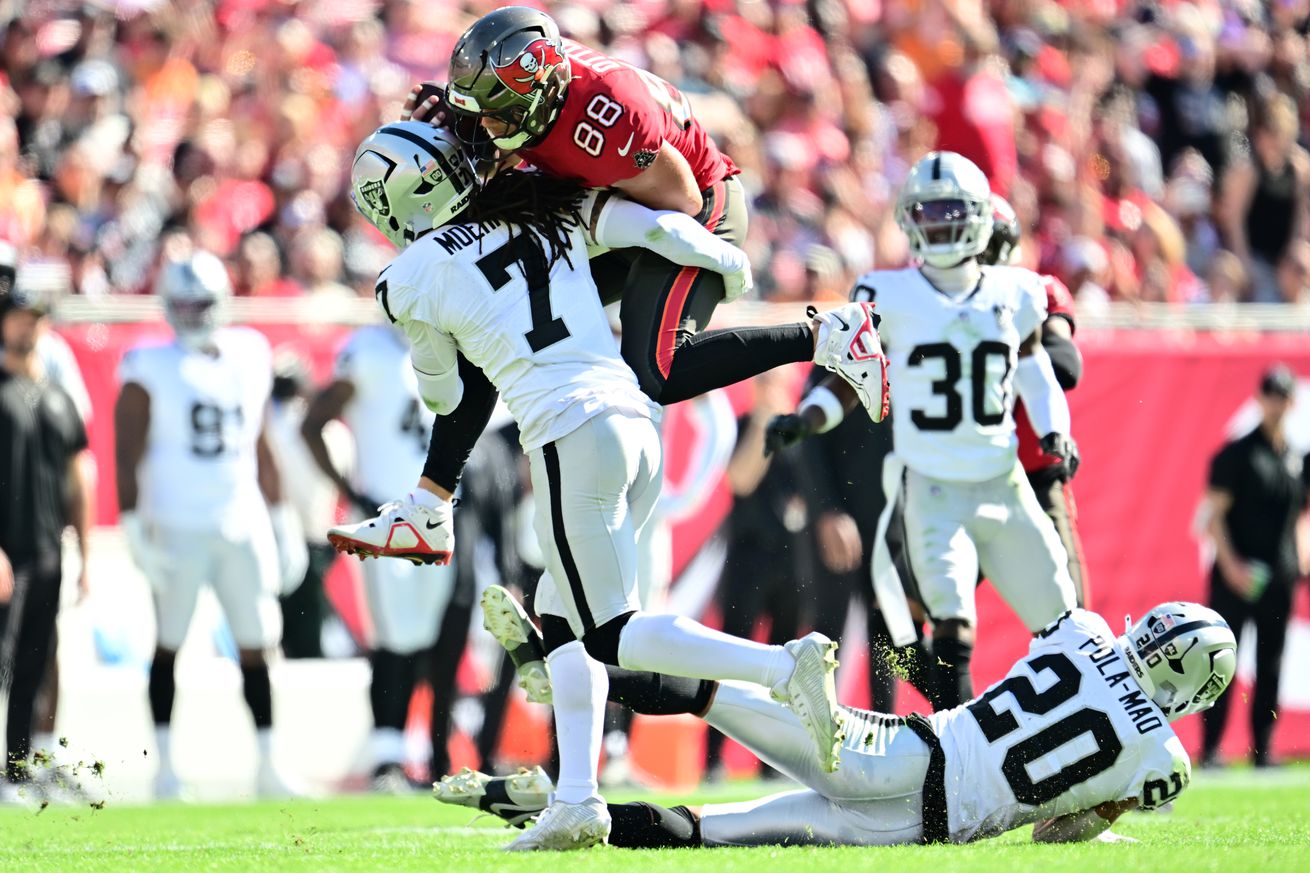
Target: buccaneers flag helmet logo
[[531, 66]]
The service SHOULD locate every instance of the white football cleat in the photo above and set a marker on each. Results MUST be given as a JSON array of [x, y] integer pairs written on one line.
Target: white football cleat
[[507, 621], [516, 798], [566, 826], [402, 529], [847, 343], [811, 692]]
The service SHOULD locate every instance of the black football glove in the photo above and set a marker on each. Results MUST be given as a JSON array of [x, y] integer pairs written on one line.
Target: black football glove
[[1063, 447], [783, 431]]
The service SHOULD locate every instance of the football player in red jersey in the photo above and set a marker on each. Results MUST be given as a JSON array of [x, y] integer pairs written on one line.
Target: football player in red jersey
[[575, 113], [1048, 474]]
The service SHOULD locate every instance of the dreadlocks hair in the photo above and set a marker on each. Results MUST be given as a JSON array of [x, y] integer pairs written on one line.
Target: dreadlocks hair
[[533, 201]]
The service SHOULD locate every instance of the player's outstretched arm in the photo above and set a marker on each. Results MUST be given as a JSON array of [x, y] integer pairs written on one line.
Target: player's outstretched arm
[[668, 183], [619, 223], [1079, 827], [819, 411]]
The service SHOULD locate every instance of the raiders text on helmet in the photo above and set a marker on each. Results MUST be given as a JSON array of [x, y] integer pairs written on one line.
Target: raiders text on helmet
[[409, 177], [945, 208], [511, 66]]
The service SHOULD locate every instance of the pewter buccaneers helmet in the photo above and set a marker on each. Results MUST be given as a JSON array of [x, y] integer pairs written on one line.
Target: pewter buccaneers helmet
[[1183, 655], [510, 66], [195, 290], [945, 208], [409, 177]]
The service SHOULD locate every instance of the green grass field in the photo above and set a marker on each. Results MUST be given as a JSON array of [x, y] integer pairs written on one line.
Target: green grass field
[[1228, 822]]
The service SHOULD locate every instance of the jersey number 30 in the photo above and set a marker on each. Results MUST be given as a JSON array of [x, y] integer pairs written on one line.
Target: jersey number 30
[[525, 251], [945, 387], [999, 723]]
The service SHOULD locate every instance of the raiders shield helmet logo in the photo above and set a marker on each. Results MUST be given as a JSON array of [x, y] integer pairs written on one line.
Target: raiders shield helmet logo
[[375, 197]]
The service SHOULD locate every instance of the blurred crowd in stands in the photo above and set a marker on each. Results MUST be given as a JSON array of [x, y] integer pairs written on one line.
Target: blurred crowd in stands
[[1153, 150]]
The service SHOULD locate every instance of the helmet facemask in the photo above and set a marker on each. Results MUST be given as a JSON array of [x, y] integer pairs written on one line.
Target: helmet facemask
[[946, 232]]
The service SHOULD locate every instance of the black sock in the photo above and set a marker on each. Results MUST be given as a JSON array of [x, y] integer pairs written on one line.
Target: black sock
[[647, 826], [954, 683], [658, 694], [391, 687], [163, 687], [717, 358], [259, 693], [918, 656]]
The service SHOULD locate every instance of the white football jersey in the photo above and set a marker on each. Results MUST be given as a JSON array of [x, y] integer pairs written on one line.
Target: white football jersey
[[952, 363], [540, 335], [388, 420], [200, 470], [1067, 729]]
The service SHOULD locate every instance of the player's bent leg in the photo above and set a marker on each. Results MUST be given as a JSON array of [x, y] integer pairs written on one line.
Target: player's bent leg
[[952, 646], [944, 560], [805, 818], [1025, 560]]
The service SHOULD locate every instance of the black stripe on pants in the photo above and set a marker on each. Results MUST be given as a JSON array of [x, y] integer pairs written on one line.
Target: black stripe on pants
[[551, 456]]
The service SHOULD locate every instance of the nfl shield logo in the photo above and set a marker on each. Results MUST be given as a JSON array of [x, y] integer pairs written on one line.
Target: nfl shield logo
[[375, 197]]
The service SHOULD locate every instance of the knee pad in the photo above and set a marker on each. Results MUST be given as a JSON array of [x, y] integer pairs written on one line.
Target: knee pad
[[603, 642], [555, 632]]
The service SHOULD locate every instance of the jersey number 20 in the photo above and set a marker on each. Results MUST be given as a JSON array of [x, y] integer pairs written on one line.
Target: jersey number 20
[[997, 724], [525, 251]]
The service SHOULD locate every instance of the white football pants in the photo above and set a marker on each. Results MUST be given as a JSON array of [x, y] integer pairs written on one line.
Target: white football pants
[[242, 572], [594, 489], [874, 798], [954, 528]]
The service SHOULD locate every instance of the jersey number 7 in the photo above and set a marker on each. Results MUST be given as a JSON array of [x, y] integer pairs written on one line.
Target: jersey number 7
[[525, 251]]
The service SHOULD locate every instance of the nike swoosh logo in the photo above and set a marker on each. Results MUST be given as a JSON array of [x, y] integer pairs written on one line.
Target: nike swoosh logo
[[623, 152], [431, 526]]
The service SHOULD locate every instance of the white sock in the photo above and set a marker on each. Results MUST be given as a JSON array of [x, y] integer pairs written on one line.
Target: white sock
[[44, 741], [388, 746], [266, 744], [679, 646], [579, 685], [164, 746], [424, 497]]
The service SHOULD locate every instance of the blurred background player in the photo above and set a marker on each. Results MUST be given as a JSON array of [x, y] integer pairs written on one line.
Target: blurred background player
[[305, 608], [199, 496], [374, 391], [1255, 496], [44, 487], [961, 339]]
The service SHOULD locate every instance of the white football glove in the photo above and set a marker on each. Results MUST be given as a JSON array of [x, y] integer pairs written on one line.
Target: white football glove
[[738, 283], [146, 554], [292, 552]]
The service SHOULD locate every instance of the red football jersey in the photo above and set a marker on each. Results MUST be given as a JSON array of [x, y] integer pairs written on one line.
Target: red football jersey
[[614, 119], [1058, 302]]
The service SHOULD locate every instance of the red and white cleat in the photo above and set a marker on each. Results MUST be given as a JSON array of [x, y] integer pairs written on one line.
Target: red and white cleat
[[403, 529], [848, 345]]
